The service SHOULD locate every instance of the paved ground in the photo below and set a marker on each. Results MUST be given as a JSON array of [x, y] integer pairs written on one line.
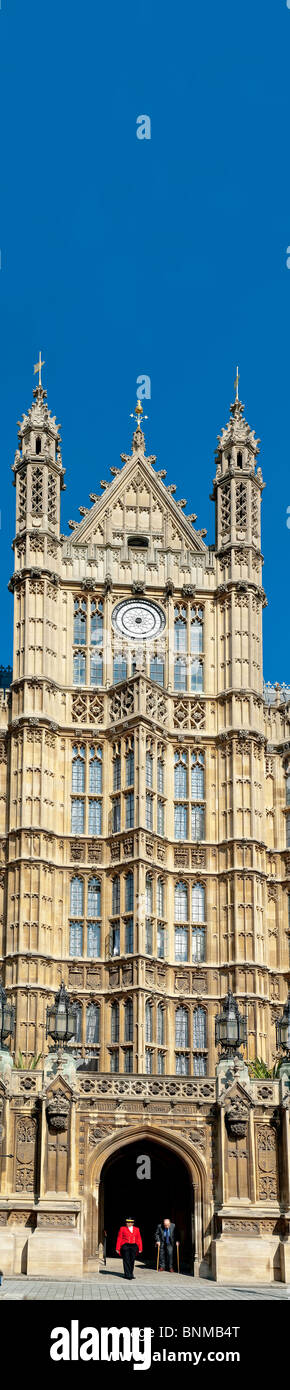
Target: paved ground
[[147, 1285]]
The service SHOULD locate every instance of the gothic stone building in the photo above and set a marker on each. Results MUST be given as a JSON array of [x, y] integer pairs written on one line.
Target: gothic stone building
[[144, 835]]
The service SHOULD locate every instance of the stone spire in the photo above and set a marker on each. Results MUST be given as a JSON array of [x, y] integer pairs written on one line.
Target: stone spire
[[237, 433], [37, 467]]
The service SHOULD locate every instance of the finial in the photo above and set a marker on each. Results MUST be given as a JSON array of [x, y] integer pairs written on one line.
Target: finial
[[236, 384], [138, 412], [138, 441], [37, 368]]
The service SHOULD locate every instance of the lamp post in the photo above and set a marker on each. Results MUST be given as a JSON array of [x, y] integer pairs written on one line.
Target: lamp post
[[283, 1031], [61, 1022], [7, 1017], [230, 1028]]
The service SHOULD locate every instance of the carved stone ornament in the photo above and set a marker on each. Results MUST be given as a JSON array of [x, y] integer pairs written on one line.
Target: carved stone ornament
[[236, 1118], [57, 1111]]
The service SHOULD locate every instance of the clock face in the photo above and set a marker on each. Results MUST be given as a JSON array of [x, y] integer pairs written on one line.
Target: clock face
[[138, 619]]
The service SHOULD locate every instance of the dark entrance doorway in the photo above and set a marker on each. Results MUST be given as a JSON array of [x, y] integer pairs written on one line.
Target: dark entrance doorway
[[166, 1191]]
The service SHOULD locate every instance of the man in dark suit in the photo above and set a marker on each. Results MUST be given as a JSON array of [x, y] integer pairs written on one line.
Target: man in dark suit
[[165, 1239]]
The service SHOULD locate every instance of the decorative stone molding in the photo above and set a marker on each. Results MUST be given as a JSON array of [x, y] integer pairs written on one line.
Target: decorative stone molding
[[57, 1112], [236, 1118]]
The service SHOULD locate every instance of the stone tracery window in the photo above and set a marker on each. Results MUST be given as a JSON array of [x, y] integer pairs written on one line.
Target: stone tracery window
[[226, 508], [241, 506], [86, 776], [128, 1021], [88, 635], [181, 1028], [114, 1022], [22, 493], [52, 498], [85, 917], [188, 647], [37, 492]]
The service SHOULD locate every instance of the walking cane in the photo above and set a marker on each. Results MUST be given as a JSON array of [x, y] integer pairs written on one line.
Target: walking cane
[[177, 1248], [158, 1253]]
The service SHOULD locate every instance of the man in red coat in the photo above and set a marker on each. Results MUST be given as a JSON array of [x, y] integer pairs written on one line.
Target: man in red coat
[[128, 1243]]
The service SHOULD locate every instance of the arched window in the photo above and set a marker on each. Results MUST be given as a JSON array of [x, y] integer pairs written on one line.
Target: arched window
[[38, 445], [117, 767], [95, 777], [78, 1014], [148, 1023], [128, 1021], [196, 676], [239, 460], [93, 1023], [198, 903], [80, 622], [148, 894], [114, 1023], [149, 769], [77, 897], [115, 896], [96, 675], [94, 898], [181, 1028], [97, 621], [129, 893], [181, 774], [196, 631], [199, 1028], [197, 776], [180, 633], [130, 767], [78, 770], [160, 897], [181, 902], [160, 774], [160, 1025]]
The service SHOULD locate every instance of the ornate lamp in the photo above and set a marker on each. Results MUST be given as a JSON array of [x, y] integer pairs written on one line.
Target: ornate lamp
[[7, 1016], [230, 1027], [283, 1030], [61, 1022]]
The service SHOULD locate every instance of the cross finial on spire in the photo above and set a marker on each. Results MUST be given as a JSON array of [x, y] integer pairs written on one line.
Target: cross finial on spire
[[37, 368], [236, 384]]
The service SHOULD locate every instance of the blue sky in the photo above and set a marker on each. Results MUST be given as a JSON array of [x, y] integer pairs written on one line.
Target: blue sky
[[164, 257]]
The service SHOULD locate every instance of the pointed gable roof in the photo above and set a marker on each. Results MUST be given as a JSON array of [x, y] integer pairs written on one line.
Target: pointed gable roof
[[138, 471]]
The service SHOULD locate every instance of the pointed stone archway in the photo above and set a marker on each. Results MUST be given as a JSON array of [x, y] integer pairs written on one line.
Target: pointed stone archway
[[113, 1147]]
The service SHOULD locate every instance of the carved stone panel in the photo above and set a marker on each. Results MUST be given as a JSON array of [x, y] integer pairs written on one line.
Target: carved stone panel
[[26, 1142], [267, 1162]]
